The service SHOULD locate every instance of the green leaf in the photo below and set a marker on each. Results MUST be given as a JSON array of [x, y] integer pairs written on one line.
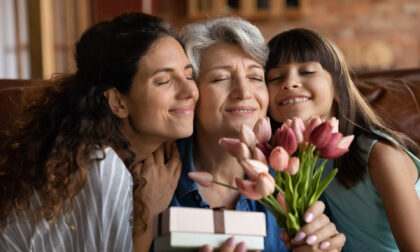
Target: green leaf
[[323, 185]]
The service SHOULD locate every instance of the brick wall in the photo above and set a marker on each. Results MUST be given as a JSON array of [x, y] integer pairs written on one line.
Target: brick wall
[[373, 34]]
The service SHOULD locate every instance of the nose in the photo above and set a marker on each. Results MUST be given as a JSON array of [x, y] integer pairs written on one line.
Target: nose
[[291, 81], [187, 89], [240, 89]]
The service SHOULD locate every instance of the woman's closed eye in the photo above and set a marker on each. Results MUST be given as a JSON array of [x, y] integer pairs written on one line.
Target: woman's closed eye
[[256, 78], [162, 81], [221, 79]]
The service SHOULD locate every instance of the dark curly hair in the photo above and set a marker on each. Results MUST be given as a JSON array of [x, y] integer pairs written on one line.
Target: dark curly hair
[[49, 147]]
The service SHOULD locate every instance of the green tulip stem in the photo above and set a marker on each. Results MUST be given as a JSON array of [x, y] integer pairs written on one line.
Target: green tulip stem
[[226, 185]]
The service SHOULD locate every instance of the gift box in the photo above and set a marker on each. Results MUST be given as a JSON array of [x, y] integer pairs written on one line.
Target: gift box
[[185, 228]]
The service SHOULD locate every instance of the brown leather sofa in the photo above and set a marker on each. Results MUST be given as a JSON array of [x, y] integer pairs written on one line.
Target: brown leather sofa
[[394, 94]]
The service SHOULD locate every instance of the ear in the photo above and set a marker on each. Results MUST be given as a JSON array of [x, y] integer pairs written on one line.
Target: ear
[[116, 102]]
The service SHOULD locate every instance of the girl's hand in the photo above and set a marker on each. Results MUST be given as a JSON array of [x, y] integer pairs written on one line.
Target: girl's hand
[[161, 178], [319, 234], [229, 245]]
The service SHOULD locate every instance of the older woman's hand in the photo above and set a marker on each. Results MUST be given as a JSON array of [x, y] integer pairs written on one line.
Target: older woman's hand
[[319, 234], [162, 178]]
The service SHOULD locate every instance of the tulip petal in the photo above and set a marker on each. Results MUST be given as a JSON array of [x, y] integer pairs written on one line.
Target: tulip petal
[[278, 159], [231, 145], [293, 166], [345, 142], [259, 155], [202, 178], [262, 130], [321, 135], [312, 124], [253, 168], [247, 136], [247, 189], [265, 184]]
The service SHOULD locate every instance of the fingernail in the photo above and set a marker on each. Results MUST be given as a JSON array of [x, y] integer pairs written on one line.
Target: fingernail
[[241, 247], [231, 242], [309, 217], [300, 236], [311, 239], [324, 245]]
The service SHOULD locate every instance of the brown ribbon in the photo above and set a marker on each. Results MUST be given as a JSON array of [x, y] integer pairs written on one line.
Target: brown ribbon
[[219, 220]]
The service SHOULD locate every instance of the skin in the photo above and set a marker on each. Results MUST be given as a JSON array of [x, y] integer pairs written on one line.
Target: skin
[[393, 174], [233, 92], [159, 108], [308, 84]]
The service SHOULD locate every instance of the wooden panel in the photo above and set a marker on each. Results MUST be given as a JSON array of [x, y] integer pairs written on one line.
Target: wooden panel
[[109, 9]]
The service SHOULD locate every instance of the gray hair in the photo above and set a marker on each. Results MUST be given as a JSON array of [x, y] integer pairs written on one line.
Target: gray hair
[[196, 37]]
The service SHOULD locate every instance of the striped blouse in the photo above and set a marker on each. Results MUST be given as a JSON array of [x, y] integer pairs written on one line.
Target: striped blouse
[[101, 219]]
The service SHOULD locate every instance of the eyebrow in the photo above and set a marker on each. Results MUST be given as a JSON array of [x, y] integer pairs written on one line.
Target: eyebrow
[[170, 69]]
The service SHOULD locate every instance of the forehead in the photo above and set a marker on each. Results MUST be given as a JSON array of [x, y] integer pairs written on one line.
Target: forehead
[[226, 54], [165, 52]]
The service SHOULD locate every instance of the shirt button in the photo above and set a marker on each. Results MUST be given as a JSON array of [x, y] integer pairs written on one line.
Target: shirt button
[[197, 197]]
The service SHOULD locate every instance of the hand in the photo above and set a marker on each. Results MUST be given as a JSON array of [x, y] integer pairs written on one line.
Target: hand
[[161, 178], [319, 234], [229, 245]]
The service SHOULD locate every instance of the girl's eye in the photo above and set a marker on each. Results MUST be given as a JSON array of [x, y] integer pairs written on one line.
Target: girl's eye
[[307, 72], [278, 78]]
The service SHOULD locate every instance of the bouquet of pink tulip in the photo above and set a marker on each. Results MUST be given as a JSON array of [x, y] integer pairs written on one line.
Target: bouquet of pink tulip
[[297, 183]]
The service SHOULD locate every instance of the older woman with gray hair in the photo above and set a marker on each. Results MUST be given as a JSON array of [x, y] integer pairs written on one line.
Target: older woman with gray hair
[[228, 56]]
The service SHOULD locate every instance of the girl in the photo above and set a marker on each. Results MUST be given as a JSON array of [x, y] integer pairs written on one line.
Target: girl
[[71, 166], [375, 197]]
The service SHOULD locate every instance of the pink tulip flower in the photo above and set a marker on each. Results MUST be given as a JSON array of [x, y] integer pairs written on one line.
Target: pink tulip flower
[[321, 135], [202, 178], [247, 188], [265, 184], [243, 152], [262, 130], [248, 137], [285, 137], [298, 128], [279, 159], [311, 125], [231, 145], [253, 168], [337, 146], [334, 123], [293, 166], [259, 155]]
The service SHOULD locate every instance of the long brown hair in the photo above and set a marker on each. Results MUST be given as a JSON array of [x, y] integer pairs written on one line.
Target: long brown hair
[[353, 112], [49, 148]]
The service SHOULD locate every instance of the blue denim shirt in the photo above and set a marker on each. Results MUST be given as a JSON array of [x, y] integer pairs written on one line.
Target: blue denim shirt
[[187, 195]]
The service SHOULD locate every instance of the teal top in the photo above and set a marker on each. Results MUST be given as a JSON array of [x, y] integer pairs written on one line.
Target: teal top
[[359, 212]]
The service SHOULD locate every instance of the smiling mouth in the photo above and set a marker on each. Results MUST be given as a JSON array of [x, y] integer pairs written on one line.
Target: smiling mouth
[[294, 100]]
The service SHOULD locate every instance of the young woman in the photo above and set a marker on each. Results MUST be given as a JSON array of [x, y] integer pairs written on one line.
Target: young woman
[[94, 140], [228, 55], [375, 197]]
